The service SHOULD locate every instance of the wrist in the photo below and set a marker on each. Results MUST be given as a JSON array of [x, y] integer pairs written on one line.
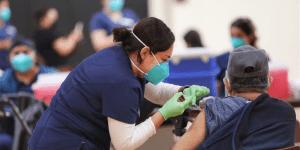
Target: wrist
[[163, 113]]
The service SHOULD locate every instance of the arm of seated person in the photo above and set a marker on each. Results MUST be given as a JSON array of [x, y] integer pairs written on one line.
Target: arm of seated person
[[100, 40], [64, 46], [5, 44], [194, 136]]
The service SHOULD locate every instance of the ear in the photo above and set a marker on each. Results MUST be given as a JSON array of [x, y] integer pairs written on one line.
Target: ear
[[227, 85], [188, 45], [145, 52], [270, 82]]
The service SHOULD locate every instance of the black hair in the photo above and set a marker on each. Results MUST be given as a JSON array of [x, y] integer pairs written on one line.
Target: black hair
[[18, 41], [151, 31], [249, 85], [193, 38], [247, 27], [40, 14]]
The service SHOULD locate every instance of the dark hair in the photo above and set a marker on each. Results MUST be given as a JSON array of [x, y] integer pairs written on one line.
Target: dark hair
[[18, 41], [247, 27], [193, 38], [249, 85], [151, 31], [40, 14]]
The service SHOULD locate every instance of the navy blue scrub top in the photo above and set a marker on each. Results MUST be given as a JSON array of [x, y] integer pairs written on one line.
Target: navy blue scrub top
[[6, 32], [103, 85], [100, 21]]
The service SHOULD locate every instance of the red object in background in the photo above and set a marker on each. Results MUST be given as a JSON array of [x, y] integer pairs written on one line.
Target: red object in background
[[47, 85], [280, 85], [46, 92]]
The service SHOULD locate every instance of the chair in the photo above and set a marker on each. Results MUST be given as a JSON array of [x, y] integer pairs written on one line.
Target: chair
[[22, 107]]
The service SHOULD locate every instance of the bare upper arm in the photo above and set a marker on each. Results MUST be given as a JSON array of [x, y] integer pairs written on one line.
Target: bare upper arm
[[194, 136]]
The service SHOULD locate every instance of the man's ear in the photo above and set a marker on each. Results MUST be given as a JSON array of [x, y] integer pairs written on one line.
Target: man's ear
[[227, 85], [270, 82], [145, 52]]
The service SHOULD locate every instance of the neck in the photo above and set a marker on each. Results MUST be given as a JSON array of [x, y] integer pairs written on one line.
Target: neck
[[27, 77], [250, 96]]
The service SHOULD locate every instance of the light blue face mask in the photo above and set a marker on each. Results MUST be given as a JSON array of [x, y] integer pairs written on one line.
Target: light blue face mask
[[156, 74], [116, 5], [5, 14], [237, 42], [22, 62]]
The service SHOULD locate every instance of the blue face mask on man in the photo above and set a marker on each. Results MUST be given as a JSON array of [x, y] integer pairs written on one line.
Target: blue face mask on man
[[156, 74], [237, 42], [5, 14], [22, 62], [116, 5]]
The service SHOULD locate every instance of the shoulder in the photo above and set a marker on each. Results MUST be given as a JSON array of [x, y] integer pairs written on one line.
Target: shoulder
[[279, 108], [6, 76], [98, 15], [46, 69], [128, 11], [226, 103]]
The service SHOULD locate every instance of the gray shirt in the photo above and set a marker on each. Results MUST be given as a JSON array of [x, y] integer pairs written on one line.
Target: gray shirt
[[218, 110]]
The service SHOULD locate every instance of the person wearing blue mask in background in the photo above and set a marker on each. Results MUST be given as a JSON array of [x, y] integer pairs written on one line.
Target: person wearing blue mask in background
[[7, 33], [24, 70], [242, 32], [99, 102], [112, 15], [19, 78]]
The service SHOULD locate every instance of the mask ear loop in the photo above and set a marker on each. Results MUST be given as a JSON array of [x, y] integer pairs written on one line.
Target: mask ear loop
[[137, 67], [145, 46]]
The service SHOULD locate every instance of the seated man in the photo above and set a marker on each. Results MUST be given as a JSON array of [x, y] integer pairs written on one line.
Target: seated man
[[24, 69], [247, 119], [20, 77]]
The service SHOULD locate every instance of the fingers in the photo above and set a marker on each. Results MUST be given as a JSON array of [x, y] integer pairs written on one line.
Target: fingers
[[188, 100]]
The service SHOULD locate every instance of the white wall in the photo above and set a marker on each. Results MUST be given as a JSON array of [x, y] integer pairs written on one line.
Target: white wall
[[277, 23]]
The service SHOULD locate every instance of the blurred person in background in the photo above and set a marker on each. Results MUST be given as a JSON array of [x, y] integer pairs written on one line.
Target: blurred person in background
[[19, 78], [248, 118], [112, 15], [242, 32], [52, 45], [24, 70], [193, 39], [7, 33]]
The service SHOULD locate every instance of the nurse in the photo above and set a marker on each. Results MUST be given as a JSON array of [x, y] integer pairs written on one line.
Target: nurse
[[99, 101], [112, 15]]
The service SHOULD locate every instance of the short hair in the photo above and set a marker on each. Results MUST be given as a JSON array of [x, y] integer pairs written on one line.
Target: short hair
[[248, 85], [193, 38], [19, 41]]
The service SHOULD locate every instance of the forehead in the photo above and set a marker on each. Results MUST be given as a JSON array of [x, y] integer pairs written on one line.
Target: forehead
[[236, 31], [21, 48]]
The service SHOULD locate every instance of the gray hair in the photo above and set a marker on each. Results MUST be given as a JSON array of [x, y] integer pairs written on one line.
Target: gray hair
[[248, 85]]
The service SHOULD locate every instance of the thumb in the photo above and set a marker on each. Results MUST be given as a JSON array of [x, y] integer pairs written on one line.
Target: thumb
[[177, 95], [188, 100]]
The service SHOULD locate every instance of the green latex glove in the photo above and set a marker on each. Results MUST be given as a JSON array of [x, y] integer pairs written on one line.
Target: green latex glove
[[196, 91], [174, 108]]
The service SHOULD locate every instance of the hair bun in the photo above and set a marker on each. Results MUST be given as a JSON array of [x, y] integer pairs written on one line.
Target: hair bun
[[121, 34]]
